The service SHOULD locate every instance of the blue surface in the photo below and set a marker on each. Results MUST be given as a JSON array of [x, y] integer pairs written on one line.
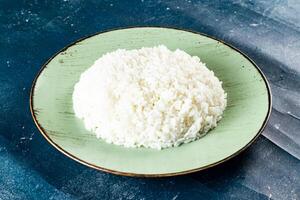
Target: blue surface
[[32, 31]]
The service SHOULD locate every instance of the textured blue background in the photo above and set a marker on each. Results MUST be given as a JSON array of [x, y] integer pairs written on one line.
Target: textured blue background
[[32, 31]]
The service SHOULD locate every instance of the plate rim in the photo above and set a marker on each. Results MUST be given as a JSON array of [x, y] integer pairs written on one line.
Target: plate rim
[[132, 174]]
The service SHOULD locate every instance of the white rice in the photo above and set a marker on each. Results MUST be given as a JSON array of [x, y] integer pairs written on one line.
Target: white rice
[[150, 97]]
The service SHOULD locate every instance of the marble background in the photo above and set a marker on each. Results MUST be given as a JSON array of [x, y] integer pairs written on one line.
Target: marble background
[[32, 31]]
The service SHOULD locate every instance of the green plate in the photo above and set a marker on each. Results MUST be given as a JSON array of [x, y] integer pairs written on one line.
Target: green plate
[[249, 104]]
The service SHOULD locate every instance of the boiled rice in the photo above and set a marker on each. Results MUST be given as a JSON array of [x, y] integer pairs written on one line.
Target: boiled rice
[[149, 97]]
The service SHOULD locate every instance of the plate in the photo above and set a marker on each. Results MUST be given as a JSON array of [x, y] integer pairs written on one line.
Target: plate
[[249, 104]]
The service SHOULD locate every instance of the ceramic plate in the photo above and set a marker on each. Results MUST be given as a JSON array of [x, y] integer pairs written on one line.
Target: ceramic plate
[[249, 103]]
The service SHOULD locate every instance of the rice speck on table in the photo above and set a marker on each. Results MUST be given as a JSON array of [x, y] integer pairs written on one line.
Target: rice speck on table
[[149, 97]]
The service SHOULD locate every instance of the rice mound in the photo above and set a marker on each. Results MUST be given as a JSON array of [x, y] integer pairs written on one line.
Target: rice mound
[[149, 97]]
